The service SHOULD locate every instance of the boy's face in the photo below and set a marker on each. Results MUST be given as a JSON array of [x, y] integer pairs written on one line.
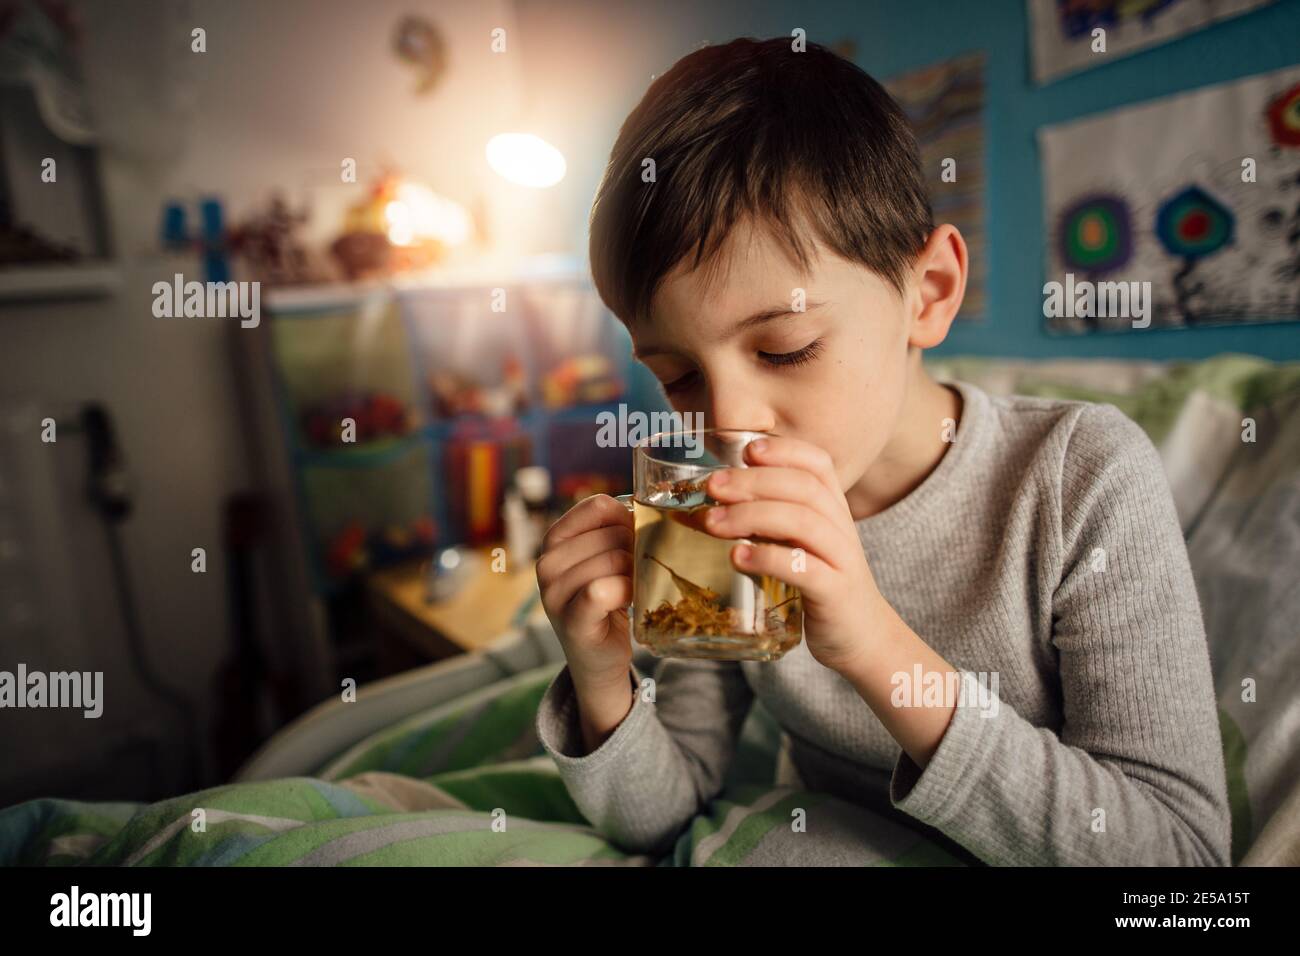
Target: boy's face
[[834, 375]]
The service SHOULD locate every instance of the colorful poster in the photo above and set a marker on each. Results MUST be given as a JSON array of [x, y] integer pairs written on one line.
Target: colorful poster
[[945, 104], [1187, 207], [1063, 38]]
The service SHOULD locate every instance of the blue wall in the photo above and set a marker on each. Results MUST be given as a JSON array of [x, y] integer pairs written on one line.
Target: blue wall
[[1254, 43], [897, 35]]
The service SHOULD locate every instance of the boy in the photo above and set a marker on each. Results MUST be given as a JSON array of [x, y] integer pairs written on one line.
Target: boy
[[780, 271]]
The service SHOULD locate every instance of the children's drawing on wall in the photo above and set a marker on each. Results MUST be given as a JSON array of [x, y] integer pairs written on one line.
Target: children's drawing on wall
[[1063, 37], [945, 104], [1196, 194]]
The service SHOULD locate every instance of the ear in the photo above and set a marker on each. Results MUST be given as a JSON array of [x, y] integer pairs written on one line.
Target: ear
[[939, 277]]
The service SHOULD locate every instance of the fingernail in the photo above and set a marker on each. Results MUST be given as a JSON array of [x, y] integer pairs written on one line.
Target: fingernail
[[743, 552], [759, 445], [720, 478], [717, 514]]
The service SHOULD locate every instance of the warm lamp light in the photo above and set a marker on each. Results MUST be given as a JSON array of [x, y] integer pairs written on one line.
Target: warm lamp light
[[417, 213], [525, 159]]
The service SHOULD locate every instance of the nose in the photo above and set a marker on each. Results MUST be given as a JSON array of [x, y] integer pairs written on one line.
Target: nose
[[736, 406]]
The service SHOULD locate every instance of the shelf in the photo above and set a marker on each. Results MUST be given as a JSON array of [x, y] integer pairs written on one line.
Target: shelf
[[305, 301], [89, 280]]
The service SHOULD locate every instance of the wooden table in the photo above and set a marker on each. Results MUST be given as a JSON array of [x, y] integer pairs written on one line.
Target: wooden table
[[416, 631]]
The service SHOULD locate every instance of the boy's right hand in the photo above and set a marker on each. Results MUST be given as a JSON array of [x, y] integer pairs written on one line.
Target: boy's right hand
[[584, 574]]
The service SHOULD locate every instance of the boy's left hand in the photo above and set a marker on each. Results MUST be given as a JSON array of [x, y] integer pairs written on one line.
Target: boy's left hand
[[794, 501]]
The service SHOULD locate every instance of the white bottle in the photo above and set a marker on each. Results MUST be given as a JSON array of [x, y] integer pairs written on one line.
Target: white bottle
[[520, 542]]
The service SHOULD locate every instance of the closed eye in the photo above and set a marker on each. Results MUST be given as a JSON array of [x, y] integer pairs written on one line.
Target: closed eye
[[798, 357], [679, 384], [783, 359]]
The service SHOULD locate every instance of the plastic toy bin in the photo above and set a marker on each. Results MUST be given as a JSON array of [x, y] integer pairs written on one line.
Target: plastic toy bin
[[473, 360], [580, 353], [368, 511], [346, 375]]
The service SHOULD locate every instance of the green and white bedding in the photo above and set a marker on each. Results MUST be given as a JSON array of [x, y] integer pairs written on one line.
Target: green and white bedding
[[466, 783]]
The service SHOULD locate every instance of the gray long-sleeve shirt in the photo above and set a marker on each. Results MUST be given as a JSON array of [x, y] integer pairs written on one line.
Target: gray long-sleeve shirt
[[1044, 549]]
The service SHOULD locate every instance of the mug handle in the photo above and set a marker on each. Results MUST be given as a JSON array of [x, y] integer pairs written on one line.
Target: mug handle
[[626, 501]]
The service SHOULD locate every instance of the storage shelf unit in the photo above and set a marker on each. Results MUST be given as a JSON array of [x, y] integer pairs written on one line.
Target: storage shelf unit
[[378, 347]]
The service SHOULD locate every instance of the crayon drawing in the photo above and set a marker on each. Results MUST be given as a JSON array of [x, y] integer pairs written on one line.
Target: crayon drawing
[[1197, 194], [945, 104], [1062, 31]]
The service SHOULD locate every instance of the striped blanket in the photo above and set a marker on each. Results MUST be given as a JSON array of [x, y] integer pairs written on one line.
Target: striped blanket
[[466, 783]]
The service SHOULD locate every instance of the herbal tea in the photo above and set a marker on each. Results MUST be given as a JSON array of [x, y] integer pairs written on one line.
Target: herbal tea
[[690, 600]]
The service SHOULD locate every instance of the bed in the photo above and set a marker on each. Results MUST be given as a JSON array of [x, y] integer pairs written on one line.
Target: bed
[[441, 765]]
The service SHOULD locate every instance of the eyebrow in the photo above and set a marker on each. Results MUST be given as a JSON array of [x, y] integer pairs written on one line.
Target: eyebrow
[[758, 318]]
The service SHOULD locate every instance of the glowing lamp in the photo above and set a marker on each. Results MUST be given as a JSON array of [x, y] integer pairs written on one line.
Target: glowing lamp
[[525, 159]]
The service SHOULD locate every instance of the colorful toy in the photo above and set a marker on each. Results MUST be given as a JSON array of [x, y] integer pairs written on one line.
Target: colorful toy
[[355, 549], [399, 226], [270, 246], [425, 530], [212, 241], [573, 488], [457, 393], [377, 415], [581, 380], [347, 552]]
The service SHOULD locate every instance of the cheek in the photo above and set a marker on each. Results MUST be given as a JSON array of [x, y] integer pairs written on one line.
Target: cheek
[[844, 429], [869, 403], [845, 411], [869, 393]]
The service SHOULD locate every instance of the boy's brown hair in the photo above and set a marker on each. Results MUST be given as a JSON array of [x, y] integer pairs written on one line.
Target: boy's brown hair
[[753, 128]]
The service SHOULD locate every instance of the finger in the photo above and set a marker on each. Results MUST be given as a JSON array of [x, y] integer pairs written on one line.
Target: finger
[[574, 551], [595, 601], [558, 593], [595, 511], [778, 483], [796, 525], [797, 568], [794, 453]]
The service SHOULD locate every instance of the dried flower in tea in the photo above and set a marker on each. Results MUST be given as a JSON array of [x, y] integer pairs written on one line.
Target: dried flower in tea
[[680, 489], [774, 622], [698, 612]]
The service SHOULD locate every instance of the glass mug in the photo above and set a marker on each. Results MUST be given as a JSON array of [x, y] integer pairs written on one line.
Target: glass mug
[[688, 599]]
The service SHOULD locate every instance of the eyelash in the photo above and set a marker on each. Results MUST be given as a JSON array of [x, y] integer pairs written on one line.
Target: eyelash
[[799, 357], [781, 360]]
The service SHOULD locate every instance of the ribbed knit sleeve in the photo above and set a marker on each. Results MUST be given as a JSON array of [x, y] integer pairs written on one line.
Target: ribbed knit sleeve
[[1136, 776], [663, 763]]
